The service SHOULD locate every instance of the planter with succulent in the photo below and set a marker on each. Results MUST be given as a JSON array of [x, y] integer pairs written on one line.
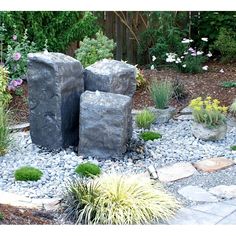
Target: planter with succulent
[[161, 93], [209, 119]]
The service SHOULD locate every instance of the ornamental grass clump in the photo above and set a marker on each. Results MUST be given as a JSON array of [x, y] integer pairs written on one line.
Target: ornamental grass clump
[[118, 199], [144, 119], [161, 93], [28, 173], [232, 108], [150, 135], [88, 169], [208, 112]]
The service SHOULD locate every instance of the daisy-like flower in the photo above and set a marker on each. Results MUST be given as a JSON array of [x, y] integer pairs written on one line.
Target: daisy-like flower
[[152, 67], [222, 71], [204, 39], [209, 54], [153, 58], [205, 67]]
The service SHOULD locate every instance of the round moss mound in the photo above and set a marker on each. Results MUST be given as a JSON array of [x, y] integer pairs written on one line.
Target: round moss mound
[[28, 173], [150, 135], [233, 148], [88, 169]]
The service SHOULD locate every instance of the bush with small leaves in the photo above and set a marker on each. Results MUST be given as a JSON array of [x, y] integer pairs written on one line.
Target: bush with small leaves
[[118, 199], [28, 173], [145, 118], [149, 135], [88, 169], [233, 148], [1, 216]]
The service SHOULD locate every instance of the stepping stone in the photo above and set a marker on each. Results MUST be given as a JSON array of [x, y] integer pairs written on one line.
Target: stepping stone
[[197, 194], [175, 172], [224, 191], [184, 117], [186, 110], [213, 164], [187, 216], [219, 208]]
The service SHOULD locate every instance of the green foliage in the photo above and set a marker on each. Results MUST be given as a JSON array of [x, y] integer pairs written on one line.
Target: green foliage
[[141, 82], [88, 169], [179, 91], [232, 108], [117, 199], [28, 173], [161, 93], [226, 44], [5, 96], [95, 49], [233, 148], [1, 216], [57, 28], [4, 130], [163, 34], [149, 135], [229, 84], [144, 119]]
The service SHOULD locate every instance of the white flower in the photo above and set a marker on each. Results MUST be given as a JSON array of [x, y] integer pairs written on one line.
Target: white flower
[[153, 58], [199, 52], [185, 53], [152, 67], [209, 54], [170, 57], [182, 57], [186, 40], [222, 71], [178, 60], [204, 39], [184, 65], [205, 67]]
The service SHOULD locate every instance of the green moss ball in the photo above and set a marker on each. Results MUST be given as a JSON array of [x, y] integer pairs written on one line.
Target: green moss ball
[[28, 173]]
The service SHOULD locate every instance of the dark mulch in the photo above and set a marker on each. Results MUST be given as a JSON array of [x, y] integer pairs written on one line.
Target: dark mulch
[[205, 84]]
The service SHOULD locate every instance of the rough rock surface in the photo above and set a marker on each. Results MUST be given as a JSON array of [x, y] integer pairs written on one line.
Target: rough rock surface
[[163, 115], [111, 76], [55, 84], [105, 123], [201, 132], [224, 191]]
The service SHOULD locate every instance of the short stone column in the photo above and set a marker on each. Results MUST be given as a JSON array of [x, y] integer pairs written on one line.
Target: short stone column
[[105, 127], [111, 76], [55, 83]]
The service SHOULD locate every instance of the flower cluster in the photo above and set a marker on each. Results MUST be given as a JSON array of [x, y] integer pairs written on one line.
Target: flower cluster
[[208, 111], [14, 84]]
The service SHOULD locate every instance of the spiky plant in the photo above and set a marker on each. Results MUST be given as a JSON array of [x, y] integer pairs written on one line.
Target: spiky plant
[[145, 118], [118, 199]]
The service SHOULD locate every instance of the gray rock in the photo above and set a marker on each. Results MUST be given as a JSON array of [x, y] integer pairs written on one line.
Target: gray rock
[[55, 84], [201, 132], [111, 76], [163, 115], [105, 127]]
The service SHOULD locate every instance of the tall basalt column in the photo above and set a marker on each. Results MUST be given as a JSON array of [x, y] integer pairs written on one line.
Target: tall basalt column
[[55, 83]]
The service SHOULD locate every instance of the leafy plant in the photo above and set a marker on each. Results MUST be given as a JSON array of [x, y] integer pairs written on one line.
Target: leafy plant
[[5, 96], [232, 108], [233, 148], [95, 49], [161, 93], [145, 118], [118, 199], [179, 91], [88, 169], [4, 130], [208, 111], [28, 173], [149, 135], [226, 44], [1, 216], [140, 80], [229, 84]]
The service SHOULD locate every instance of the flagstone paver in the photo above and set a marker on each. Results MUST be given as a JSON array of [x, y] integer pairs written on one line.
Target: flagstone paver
[[174, 172], [213, 164], [195, 193], [229, 220], [224, 191]]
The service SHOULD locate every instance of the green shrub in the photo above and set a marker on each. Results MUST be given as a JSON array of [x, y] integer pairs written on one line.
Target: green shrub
[[161, 93], [27, 173], [92, 50], [233, 148], [5, 96], [179, 91], [1, 216], [4, 130], [149, 135], [229, 84], [232, 108], [226, 44], [117, 199], [144, 119], [88, 169]]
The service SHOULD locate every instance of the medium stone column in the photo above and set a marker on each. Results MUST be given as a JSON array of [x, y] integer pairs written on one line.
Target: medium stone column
[[111, 76], [104, 123], [55, 83]]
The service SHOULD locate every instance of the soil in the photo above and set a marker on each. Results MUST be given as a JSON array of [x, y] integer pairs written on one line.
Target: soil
[[204, 84]]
